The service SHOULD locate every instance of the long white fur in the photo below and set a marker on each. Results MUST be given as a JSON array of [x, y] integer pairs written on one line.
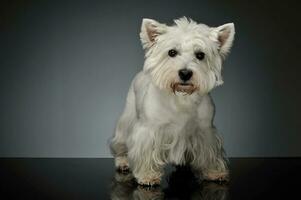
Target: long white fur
[[158, 126]]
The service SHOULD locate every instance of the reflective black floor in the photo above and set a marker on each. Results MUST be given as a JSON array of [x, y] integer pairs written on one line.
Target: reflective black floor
[[69, 178]]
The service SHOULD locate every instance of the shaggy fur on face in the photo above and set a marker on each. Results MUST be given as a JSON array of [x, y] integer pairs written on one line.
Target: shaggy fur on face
[[168, 118]]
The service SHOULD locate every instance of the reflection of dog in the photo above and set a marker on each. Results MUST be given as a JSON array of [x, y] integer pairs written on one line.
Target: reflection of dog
[[169, 112], [123, 187]]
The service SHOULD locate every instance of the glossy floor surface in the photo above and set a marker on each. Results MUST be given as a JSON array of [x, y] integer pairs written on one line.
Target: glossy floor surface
[[86, 178]]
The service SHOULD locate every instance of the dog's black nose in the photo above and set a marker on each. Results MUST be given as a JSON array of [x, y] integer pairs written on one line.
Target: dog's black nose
[[185, 74]]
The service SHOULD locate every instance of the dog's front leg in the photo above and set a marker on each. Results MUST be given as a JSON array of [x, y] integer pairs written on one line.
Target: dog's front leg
[[144, 156], [211, 164]]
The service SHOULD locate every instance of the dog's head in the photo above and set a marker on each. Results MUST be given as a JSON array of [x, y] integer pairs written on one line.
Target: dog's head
[[185, 57]]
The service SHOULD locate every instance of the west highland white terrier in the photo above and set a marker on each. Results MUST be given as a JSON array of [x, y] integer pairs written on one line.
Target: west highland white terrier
[[168, 117]]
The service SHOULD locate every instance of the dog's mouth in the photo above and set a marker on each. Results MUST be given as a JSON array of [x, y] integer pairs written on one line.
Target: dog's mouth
[[186, 88]]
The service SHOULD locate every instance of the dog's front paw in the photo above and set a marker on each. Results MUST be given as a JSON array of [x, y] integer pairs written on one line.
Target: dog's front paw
[[122, 164], [216, 176], [149, 180]]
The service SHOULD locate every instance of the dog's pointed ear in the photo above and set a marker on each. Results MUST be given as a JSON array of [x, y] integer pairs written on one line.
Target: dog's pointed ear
[[150, 29], [224, 36]]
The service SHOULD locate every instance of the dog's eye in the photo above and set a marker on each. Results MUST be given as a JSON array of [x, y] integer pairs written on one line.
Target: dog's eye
[[172, 53], [199, 55]]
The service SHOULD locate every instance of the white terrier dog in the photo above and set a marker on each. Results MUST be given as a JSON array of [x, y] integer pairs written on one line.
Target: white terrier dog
[[168, 117]]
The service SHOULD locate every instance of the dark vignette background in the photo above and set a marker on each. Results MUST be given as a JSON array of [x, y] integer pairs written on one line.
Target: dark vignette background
[[66, 67]]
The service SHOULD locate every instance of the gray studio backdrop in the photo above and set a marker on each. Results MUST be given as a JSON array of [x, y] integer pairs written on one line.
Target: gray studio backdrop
[[66, 67]]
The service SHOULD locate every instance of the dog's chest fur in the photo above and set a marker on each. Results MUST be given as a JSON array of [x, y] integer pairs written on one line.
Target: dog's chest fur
[[174, 119], [161, 107]]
